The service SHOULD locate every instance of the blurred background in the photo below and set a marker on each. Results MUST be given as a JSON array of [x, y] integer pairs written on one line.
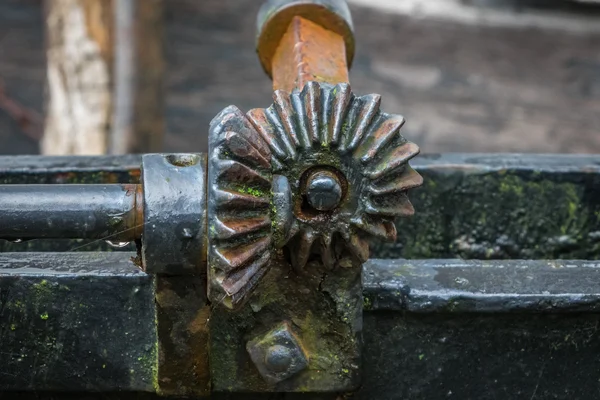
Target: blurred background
[[469, 75]]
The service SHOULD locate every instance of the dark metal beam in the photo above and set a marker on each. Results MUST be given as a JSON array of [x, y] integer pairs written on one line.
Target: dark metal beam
[[87, 322], [474, 286], [76, 322], [72, 169]]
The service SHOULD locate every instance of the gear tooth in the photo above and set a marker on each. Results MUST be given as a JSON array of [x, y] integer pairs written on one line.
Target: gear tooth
[[379, 135], [359, 247], [407, 179], [395, 205], [380, 228], [294, 229], [365, 117], [234, 227], [277, 126], [282, 211], [327, 97], [393, 159], [233, 171], [311, 95], [239, 298], [303, 122], [259, 119], [240, 255], [285, 112], [231, 199], [239, 145], [327, 254], [348, 125], [242, 281], [277, 165], [341, 99], [301, 248], [232, 131]]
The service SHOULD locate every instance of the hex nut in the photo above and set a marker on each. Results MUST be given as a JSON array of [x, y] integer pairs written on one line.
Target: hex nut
[[278, 355]]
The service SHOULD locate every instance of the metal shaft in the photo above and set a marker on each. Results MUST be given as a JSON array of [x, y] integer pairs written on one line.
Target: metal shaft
[[111, 212]]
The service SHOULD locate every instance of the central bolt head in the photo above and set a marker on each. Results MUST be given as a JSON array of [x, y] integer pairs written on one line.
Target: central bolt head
[[323, 190], [278, 358]]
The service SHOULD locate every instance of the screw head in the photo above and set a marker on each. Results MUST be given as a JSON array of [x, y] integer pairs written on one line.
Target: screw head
[[278, 354], [323, 190], [278, 358]]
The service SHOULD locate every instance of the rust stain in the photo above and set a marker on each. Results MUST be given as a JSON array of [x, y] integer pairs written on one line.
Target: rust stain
[[309, 52], [200, 323], [135, 216], [183, 316], [139, 212], [276, 26]]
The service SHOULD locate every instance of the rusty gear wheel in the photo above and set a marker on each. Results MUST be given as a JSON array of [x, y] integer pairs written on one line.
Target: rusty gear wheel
[[318, 172]]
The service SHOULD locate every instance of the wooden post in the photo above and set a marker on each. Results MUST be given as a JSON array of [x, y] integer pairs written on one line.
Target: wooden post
[[86, 70], [138, 119]]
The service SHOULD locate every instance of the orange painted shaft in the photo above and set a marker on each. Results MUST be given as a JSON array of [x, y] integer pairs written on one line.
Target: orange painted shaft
[[309, 52]]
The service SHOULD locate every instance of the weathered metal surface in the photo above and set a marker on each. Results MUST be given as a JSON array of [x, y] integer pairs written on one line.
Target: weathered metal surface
[[108, 212], [174, 225], [516, 206], [266, 192], [182, 324], [275, 16], [323, 306], [481, 356], [76, 169], [309, 52], [478, 286], [531, 199], [76, 322], [412, 350]]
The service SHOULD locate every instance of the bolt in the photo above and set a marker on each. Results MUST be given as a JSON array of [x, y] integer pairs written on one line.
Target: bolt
[[278, 358], [323, 190], [278, 354]]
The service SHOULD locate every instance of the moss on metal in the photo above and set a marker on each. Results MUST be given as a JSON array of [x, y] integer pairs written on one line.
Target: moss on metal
[[60, 329], [500, 215], [323, 307]]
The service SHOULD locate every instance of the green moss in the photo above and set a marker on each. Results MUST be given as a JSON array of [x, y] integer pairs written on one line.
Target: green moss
[[497, 215], [251, 191]]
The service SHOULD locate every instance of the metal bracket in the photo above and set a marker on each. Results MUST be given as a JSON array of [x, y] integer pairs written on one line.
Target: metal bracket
[[295, 192]]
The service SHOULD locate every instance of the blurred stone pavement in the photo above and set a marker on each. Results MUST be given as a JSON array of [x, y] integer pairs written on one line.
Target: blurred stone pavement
[[461, 87]]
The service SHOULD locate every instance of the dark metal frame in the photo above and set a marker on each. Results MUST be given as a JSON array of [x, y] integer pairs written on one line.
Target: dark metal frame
[[480, 329]]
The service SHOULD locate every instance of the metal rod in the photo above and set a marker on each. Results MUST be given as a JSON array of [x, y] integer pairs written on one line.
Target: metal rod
[[111, 212]]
